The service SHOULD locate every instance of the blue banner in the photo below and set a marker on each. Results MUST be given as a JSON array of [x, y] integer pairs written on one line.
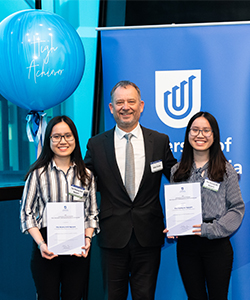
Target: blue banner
[[181, 70]]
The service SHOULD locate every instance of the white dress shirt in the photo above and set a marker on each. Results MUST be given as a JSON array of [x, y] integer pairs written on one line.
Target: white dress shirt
[[139, 153]]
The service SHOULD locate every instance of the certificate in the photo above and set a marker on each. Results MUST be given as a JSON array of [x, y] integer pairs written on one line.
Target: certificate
[[65, 227], [183, 208]]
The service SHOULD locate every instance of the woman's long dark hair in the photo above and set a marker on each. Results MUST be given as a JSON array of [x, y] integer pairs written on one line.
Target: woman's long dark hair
[[47, 154], [217, 160]]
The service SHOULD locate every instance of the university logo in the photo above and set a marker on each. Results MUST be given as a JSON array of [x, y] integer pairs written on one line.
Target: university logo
[[177, 96]]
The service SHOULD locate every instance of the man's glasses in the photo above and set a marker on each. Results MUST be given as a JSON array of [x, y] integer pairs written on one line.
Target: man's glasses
[[56, 138], [205, 132]]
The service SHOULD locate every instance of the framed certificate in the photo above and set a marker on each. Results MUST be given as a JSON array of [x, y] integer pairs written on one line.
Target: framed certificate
[[65, 227], [183, 208]]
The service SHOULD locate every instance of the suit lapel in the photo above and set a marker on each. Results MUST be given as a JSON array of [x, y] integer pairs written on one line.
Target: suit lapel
[[148, 144]]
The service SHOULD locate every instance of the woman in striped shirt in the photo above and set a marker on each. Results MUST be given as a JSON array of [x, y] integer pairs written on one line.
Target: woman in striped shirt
[[59, 166]]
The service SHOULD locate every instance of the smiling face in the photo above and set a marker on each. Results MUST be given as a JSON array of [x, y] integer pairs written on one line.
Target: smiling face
[[126, 107], [63, 148], [200, 142]]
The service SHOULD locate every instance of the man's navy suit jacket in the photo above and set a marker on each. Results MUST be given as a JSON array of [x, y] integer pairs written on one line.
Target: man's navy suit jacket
[[118, 214]]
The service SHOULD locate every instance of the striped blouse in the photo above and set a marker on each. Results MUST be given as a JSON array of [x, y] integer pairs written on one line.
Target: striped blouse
[[53, 186], [222, 211]]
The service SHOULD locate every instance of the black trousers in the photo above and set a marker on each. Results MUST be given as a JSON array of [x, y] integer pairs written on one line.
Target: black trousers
[[205, 266], [64, 277], [133, 264]]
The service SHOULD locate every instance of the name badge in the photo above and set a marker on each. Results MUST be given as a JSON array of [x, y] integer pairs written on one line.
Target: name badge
[[76, 191], [211, 185], [156, 166]]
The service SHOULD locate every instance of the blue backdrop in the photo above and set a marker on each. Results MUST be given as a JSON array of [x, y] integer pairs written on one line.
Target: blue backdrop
[[181, 70]]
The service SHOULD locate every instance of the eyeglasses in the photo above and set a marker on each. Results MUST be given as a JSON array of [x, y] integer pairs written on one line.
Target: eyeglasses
[[205, 132], [56, 138]]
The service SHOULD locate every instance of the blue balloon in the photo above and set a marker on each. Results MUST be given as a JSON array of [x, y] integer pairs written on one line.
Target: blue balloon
[[41, 59]]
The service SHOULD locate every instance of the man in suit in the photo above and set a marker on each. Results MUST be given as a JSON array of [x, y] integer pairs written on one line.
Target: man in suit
[[132, 226]]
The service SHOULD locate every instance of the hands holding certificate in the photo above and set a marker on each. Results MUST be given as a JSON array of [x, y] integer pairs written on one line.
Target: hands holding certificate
[[46, 253], [66, 231], [183, 209], [196, 231]]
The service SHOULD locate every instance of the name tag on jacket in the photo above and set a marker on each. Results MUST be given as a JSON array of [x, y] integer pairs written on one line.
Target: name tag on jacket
[[156, 166]]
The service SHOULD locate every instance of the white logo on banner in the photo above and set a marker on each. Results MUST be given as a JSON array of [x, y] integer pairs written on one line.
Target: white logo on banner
[[177, 96]]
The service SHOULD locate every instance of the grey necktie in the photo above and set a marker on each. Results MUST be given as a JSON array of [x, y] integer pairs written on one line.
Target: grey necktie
[[129, 167]]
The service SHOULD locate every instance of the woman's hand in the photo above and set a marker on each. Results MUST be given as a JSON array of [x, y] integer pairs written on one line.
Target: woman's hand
[[42, 246], [86, 248], [88, 239], [169, 237], [198, 230], [46, 253]]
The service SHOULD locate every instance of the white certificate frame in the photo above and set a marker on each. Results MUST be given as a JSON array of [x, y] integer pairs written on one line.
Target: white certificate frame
[[183, 208], [65, 227]]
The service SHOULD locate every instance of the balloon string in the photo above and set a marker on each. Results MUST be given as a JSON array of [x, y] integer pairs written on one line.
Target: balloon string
[[38, 4], [35, 128]]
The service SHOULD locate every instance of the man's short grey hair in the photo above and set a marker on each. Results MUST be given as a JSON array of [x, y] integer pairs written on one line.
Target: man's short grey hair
[[124, 84]]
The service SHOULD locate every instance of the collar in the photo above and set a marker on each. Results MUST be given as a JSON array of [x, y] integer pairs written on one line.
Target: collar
[[204, 167], [136, 132], [54, 166]]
